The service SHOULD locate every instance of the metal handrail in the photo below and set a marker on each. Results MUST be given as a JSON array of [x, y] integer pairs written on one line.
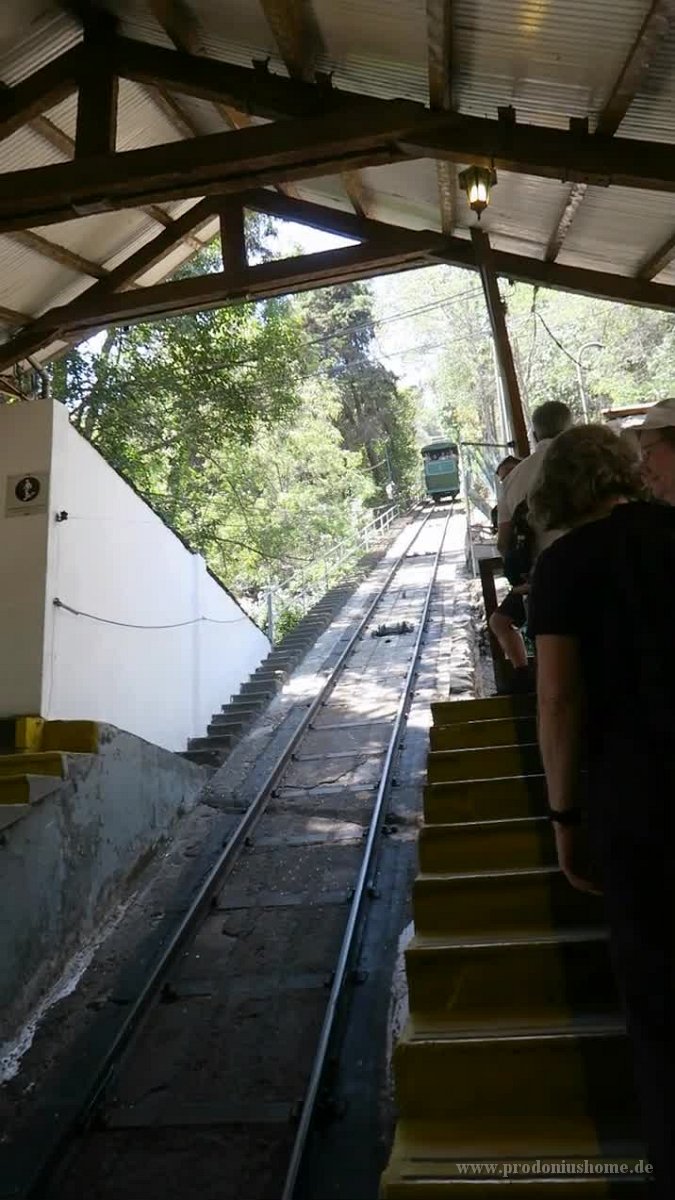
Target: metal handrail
[[297, 587]]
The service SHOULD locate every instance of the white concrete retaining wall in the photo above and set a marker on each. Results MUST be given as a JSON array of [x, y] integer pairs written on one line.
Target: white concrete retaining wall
[[114, 559]]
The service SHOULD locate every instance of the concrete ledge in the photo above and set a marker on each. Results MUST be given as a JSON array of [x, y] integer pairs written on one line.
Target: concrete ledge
[[77, 853]]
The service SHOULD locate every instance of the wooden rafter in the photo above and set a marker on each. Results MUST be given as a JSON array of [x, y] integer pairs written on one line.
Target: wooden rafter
[[384, 248], [216, 163], [180, 25], [658, 260], [401, 251], [96, 128], [357, 193], [652, 31], [41, 91], [56, 137], [60, 254], [232, 236], [10, 316], [495, 306], [45, 328], [441, 98], [296, 33], [372, 134]]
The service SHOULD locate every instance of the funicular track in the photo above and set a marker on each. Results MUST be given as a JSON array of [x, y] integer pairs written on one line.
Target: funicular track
[[208, 1084]]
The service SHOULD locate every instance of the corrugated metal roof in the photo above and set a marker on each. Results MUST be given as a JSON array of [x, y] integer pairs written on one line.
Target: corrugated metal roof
[[550, 59], [606, 224]]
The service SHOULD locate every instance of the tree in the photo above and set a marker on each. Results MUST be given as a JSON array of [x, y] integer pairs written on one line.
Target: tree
[[376, 417], [219, 422]]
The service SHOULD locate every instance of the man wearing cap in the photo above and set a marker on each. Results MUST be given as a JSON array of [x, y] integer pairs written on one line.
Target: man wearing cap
[[657, 450]]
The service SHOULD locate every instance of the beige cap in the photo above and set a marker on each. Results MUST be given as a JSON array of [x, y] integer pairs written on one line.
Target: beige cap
[[661, 416]]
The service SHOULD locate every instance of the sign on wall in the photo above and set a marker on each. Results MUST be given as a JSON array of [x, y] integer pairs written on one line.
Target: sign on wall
[[26, 494]]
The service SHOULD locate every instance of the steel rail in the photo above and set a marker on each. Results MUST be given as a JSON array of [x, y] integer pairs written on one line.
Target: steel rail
[[359, 892], [190, 918]]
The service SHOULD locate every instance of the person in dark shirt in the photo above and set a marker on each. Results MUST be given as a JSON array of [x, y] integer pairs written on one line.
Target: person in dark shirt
[[601, 613]]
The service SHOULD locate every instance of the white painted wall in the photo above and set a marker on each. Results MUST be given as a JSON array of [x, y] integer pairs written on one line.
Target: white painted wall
[[114, 559], [25, 446]]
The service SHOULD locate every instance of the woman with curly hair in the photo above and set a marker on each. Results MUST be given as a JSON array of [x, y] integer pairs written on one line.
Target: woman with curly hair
[[601, 612]]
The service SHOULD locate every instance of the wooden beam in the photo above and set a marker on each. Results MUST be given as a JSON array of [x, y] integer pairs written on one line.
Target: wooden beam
[[603, 285], [96, 128], [440, 50], [296, 34], [359, 197], [40, 91], [232, 236], [317, 216], [181, 26], [500, 334], [403, 250], [56, 137], [385, 249], [569, 212], [652, 31], [45, 328], [52, 133], [658, 260], [47, 130], [266, 279], [59, 254], [547, 153], [9, 316], [217, 163], [255, 91], [293, 150]]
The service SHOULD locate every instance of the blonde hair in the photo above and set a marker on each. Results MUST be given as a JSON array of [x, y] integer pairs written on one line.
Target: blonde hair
[[583, 468]]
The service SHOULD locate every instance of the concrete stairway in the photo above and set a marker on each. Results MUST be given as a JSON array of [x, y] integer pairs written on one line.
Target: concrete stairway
[[230, 724], [513, 1068], [33, 760]]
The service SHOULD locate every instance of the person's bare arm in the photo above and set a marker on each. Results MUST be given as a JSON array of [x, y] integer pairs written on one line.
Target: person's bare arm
[[559, 708], [560, 704]]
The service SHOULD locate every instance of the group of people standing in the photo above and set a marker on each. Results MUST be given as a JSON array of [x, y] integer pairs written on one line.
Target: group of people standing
[[600, 611]]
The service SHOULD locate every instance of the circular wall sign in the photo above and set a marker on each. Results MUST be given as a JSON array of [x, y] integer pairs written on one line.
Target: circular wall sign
[[27, 489]]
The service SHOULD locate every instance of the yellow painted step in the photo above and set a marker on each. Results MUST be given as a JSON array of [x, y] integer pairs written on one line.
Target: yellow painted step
[[529, 901], [26, 789], [576, 1072], [484, 799], [47, 763], [486, 845], [468, 1161], [447, 712], [506, 731], [34, 734], [71, 737], [496, 762], [544, 977]]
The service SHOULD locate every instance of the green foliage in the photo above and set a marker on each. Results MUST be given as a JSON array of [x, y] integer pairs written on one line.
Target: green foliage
[[376, 417], [550, 334], [224, 425]]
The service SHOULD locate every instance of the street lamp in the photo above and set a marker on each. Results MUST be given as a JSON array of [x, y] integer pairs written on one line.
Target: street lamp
[[580, 378], [477, 183]]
